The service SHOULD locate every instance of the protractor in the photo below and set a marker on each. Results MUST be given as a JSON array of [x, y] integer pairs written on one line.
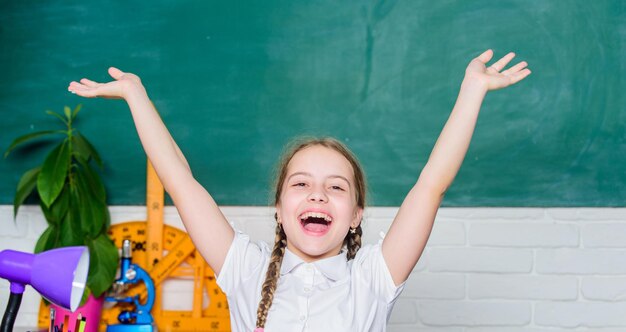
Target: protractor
[[180, 261]]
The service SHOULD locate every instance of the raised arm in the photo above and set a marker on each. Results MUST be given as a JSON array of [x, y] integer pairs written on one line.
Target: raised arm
[[205, 223], [411, 227]]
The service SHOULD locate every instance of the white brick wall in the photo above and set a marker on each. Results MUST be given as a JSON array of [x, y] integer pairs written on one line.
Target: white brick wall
[[484, 269]]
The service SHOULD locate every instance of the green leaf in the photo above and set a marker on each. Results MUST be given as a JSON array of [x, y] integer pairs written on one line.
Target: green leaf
[[83, 209], [57, 115], [28, 137], [25, 188], [92, 211], [107, 220], [85, 149], [76, 110], [71, 234], [68, 113], [59, 208], [80, 149], [103, 261], [93, 181], [101, 217], [53, 173], [47, 240]]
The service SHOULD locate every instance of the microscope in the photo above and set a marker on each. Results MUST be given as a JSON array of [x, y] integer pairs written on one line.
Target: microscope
[[139, 319]]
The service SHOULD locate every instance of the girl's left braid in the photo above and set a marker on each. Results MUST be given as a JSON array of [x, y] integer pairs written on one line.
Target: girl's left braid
[[353, 242]]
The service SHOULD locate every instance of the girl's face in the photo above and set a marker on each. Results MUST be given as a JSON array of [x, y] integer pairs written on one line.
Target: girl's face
[[318, 203]]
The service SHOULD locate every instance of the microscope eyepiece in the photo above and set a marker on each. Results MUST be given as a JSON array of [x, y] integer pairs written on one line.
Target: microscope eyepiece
[[126, 249]]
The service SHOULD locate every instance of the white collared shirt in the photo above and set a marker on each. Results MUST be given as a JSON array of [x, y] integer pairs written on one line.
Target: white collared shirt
[[332, 294]]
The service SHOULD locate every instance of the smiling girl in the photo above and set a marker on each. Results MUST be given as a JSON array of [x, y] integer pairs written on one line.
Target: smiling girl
[[316, 277]]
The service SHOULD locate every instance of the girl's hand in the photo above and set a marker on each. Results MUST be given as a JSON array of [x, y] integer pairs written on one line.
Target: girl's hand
[[122, 87], [493, 77]]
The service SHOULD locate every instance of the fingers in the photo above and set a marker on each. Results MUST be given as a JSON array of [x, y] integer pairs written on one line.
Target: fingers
[[500, 64], [115, 73], [516, 77], [89, 83], [515, 68], [82, 89], [486, 56]]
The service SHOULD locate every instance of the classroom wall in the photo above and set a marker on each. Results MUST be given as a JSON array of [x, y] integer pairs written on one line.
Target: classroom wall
[[484, 269]]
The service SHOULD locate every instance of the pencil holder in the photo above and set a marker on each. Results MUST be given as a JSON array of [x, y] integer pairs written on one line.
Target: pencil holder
[[85, 319]]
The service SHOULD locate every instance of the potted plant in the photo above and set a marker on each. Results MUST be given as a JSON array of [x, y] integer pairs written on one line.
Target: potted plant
[[72, 198]]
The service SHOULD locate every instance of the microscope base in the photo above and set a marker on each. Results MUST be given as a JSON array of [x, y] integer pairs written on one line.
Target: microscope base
[[131, 328]]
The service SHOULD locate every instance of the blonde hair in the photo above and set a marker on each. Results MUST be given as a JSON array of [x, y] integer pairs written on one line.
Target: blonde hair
[[352, 240]]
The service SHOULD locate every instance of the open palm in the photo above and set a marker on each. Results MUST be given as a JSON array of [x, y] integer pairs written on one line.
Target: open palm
[[494, 77], [119, 88]]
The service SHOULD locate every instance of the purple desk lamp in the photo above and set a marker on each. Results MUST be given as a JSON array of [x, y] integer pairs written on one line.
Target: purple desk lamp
[[59, 275]]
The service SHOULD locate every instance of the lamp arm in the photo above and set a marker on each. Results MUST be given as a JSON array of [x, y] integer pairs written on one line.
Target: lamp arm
[[11, 313]]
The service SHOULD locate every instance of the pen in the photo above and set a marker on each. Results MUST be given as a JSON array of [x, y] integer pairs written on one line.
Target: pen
[[52, 313]]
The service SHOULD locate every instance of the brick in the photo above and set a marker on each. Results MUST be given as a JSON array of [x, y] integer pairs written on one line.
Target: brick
[[511, 329], [412, 328], [480, 260], [587, 214], [27, 320], [580, 261], [575, 314], [38, 225], [387, 213], [264, 212], [444, 233], [260, 230], [422, 263], [605, 235], [404, 311], [604, 288], [29, 308], [172, 218], [372, 229], [121, 214], [447, 233], [492, 213], [446, 313], [177, 294], [435, 286], [530, 287], [506, 234], [15, 243], [17, 227], [30, 301], [538, 329]]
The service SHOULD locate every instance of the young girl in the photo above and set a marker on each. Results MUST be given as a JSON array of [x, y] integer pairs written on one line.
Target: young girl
[[316, 277]]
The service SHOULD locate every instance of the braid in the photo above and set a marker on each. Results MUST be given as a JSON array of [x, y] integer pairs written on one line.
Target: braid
[[271, 278], [354, 242]]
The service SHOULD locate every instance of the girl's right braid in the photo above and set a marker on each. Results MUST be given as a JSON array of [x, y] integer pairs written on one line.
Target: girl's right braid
[[271, 278]]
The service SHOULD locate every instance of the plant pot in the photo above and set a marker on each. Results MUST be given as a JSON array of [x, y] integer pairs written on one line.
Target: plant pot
[[91, 312]]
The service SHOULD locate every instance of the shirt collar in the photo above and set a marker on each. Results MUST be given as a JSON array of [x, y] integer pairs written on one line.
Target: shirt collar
[[333, 268]]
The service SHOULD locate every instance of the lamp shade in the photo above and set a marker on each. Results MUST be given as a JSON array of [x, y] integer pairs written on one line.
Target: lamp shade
[[59, 275]]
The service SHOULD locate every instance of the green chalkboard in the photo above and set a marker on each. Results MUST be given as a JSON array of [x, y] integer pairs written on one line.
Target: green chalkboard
[[235, 81]]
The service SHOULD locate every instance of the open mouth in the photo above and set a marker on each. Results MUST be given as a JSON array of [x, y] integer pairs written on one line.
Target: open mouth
[[315, 222]]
